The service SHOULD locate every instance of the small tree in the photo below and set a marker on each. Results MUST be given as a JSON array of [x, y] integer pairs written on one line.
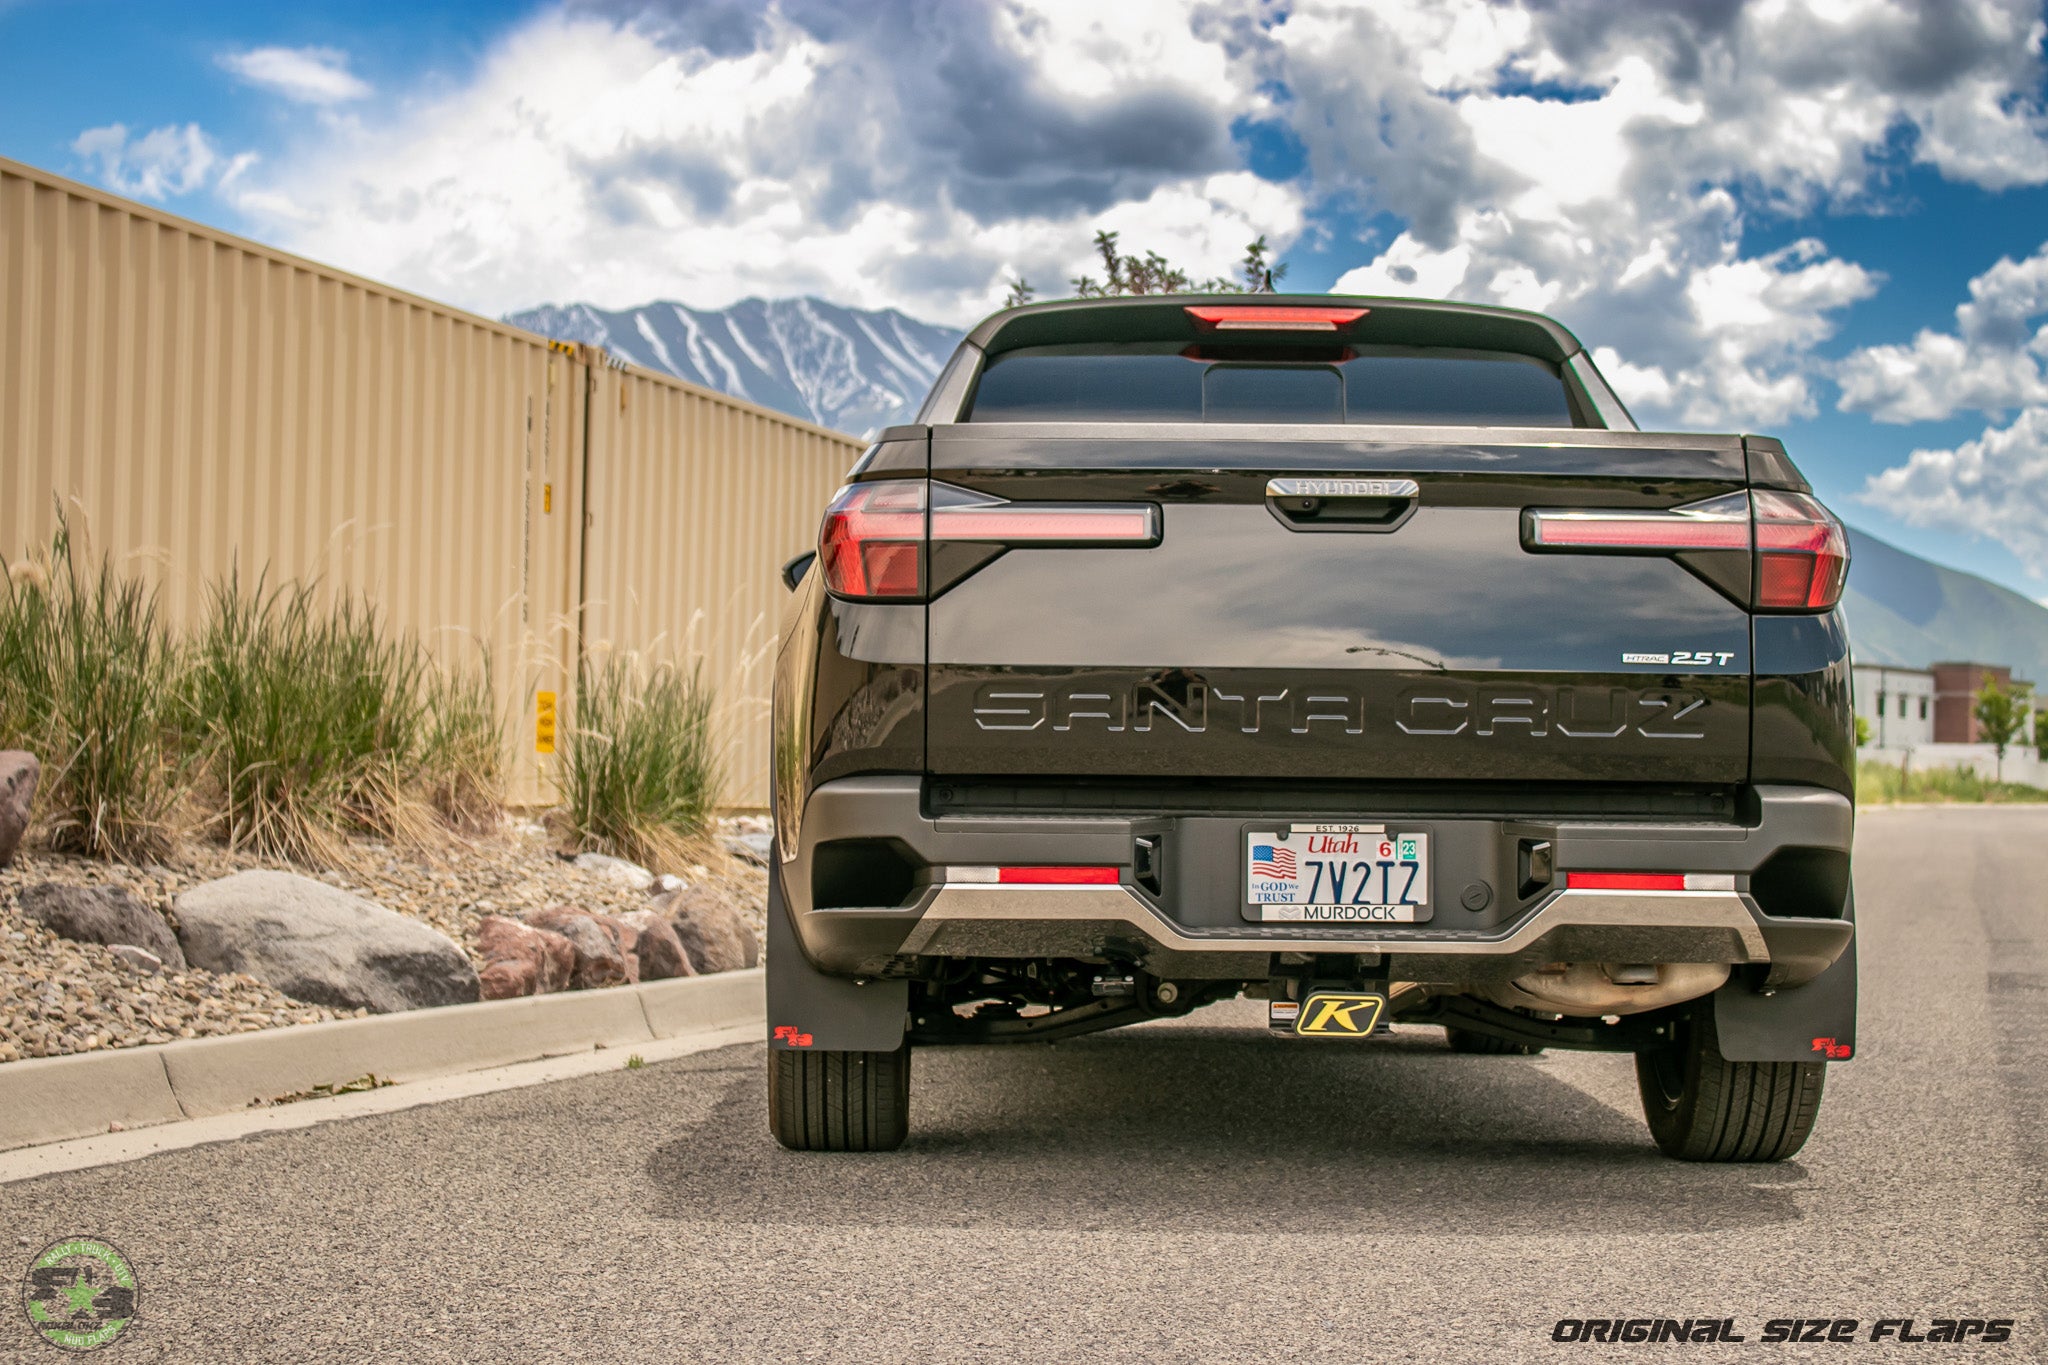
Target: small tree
[[1862, 731], [1152, 273], [2001, 715], [2041, 733]]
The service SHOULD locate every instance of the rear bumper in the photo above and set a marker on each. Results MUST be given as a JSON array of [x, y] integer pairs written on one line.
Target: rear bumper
[[1194, 931]]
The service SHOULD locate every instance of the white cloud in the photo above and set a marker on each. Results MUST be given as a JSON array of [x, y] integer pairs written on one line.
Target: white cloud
[[1993, 362], [309, 75], [841, 152], [1619, 201], [159, 164], [1595, 160], [1996, 486]]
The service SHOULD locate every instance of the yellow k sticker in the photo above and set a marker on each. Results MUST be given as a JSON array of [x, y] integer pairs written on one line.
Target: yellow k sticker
[[1339, 1013]]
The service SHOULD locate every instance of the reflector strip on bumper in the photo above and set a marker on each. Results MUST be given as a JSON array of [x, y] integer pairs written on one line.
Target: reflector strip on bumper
[[1650, 881], [1031, 876]]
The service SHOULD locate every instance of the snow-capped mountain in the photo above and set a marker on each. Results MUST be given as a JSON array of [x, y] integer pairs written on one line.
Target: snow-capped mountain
[[853, 369]]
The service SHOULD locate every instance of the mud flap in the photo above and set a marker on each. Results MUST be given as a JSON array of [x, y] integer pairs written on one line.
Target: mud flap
[[1811, 1023], [809, 1010]]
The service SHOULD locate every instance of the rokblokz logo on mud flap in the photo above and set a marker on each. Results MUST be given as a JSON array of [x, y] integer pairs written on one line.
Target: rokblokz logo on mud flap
[[80, 1293]]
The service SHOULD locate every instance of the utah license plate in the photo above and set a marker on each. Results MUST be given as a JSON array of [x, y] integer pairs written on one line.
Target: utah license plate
[[1336, 873]]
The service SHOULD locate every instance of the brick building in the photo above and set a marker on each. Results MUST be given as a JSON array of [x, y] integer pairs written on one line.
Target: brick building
[[1955, 696]]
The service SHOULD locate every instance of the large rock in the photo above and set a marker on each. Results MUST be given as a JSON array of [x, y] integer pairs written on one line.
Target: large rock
[[599, 960], [752, 848], [627, 939], [507, 980], [659, 951], [19, 774], [101, 914], [520, 959], [616, 869], [712, 932], [322, 945]]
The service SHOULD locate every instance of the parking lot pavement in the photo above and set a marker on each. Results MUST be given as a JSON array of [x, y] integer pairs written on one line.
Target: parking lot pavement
[[1191, 1190]]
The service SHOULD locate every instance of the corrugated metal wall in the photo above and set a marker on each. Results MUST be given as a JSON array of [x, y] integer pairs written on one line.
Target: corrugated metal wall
[[695, 503], [208, 403]]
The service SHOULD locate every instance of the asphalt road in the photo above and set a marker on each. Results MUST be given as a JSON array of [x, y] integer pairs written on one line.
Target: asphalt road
[[1192, 1191]]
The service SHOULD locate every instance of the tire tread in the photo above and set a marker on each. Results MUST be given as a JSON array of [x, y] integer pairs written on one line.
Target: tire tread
[[1730, 1111], [832, 1101]]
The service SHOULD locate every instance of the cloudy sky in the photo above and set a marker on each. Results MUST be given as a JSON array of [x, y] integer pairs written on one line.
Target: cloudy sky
[[1827, 221]]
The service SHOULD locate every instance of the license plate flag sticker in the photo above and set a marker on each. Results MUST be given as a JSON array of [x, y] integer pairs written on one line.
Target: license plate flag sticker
[[1343, 874], [1277, 863]]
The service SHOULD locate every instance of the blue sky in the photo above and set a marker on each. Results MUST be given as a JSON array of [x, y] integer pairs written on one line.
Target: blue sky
[[1762, 217]]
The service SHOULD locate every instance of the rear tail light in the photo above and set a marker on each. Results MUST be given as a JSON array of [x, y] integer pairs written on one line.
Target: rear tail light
[[1801, 552], [872, 545], [961, 515], [875, 542], [1717, 524], [1270, 317]]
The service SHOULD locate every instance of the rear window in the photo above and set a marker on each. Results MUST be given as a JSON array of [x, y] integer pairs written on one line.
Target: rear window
[[1387, 386]]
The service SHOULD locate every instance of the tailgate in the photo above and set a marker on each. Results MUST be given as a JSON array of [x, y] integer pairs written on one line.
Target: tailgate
[[1324, 605]]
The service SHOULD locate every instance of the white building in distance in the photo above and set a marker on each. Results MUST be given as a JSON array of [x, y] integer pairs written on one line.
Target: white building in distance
[[1897, 704]]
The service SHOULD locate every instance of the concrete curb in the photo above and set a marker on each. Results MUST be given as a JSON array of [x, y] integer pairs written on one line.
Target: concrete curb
[[50, 1099]]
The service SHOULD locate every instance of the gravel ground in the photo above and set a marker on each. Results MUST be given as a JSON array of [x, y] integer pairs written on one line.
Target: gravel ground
[[57, 996], [1184, 1191]]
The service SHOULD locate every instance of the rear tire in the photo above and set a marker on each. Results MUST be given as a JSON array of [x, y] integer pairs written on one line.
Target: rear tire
[[1464, 1040], [839, 1101], [1703, 1107]]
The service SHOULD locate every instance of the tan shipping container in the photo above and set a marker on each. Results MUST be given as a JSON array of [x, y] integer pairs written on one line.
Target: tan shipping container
[[210, 404], [696, 502]]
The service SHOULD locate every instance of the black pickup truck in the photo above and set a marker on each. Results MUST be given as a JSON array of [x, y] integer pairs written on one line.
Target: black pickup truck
[[1355, 655]]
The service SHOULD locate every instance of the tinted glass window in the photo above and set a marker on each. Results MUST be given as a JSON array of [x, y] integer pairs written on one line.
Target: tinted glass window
[[1467, 389], [1027, 386], [1272, 393], [1387, 386]]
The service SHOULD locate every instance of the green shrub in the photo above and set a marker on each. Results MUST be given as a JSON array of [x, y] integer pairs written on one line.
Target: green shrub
[[461, 763], [88, 676], [311, 714], [639, 766], [24, 654], [1883, 783]]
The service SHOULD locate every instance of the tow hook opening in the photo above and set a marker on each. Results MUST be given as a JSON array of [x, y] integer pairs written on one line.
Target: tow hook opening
[[1535, 868], [1148, 863]]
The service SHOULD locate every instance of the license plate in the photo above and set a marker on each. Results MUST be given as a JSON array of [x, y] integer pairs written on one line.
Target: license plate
[[1336, 873]]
